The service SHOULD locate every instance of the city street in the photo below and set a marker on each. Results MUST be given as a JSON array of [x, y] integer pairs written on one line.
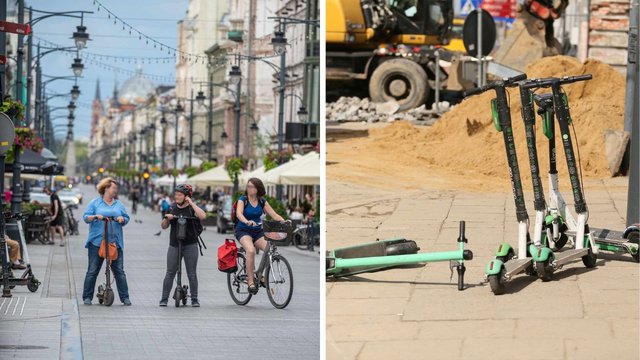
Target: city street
[[49, 323]]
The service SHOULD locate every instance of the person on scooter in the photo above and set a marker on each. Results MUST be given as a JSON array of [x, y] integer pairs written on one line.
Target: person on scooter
[[184, 206], [106, 205], [249, 233]]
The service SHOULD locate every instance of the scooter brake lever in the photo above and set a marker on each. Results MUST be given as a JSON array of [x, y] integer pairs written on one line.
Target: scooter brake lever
[[452, 265]]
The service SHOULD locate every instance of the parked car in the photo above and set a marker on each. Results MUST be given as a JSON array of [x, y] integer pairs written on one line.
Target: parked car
[[71, 192], [224, 214], [42, 198]]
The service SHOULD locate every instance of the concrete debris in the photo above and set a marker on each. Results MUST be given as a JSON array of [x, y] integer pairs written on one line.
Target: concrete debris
[[347, 109]]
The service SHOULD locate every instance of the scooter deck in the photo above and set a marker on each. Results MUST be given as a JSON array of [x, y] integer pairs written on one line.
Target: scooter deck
[[567, 256], [608, 236], [516, 266], [372, 249]]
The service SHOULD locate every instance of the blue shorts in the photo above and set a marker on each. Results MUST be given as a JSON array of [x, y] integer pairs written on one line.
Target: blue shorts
[[255, 234]]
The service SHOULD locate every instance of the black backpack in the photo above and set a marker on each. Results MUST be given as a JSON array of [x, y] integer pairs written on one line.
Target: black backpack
[[197, 226]]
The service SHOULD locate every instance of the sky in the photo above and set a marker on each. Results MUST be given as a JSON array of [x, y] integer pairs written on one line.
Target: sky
[[156, 18]]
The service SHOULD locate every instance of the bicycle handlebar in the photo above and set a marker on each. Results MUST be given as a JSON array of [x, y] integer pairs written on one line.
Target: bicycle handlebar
[[507, 82], [547, 82]]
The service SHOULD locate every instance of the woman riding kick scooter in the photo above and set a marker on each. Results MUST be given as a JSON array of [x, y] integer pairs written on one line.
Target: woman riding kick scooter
[[182, 217]]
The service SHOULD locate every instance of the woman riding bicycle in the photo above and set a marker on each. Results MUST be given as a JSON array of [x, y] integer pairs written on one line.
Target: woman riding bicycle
[[106, 205], [249, 233], [186, 207]]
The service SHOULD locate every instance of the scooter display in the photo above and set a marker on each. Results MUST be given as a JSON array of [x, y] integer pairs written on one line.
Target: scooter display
[[390, 253], [547, 261], [105, 293], [507, 262]]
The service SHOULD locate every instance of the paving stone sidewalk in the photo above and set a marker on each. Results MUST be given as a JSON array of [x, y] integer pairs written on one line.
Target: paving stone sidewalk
[[417, 313]]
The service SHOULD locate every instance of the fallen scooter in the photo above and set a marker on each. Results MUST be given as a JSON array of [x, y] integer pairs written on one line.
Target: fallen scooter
[[391, 253], [105, 291], [560, 220]]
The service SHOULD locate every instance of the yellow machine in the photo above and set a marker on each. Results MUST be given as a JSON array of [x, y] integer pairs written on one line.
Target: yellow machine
[[390, 44]]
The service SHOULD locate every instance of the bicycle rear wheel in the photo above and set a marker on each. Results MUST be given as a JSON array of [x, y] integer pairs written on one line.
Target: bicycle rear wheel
[[237, 283], [280, 282], [300, 240]]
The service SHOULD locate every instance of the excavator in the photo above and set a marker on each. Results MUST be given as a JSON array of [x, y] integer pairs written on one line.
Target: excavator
[[391, 45]]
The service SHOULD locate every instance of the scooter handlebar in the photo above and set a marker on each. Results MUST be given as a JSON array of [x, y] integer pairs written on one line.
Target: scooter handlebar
[[506, 82], [547, 82]]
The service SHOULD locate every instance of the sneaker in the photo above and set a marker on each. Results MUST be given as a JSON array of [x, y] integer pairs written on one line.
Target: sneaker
[[126, 302], [18, 266], [195, 302], [87, 301], [163, 303]]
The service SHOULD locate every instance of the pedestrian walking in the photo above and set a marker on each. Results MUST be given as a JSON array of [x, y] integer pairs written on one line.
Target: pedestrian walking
[[57, 218], [106, 205]]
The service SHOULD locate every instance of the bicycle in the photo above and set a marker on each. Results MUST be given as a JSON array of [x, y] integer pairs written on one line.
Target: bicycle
[[273, 267], [306, 236], [71, 224]]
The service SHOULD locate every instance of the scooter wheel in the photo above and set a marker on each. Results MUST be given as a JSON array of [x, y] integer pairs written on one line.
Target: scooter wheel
[[33, 285], [409, 247], [634, 237], [562, 241], [589, 260], [184, 294], [497, 283], [108, 297], [100, 294], [177, 296], [545, 269]]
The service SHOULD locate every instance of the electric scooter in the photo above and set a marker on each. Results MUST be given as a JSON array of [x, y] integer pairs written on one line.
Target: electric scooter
[[546, 261], [27, 278], [390, 253], [507, 263], [105, 291], [559, 219], [180, 294]]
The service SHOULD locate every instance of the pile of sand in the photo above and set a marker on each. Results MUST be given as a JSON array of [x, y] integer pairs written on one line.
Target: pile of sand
[[464, 141]]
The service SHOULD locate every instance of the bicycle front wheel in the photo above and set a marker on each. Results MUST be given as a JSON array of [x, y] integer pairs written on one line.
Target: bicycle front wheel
[[280, 285], [237, 283]]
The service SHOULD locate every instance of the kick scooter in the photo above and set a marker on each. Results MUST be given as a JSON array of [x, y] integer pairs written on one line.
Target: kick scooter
[[105, 292], [391, 253], [27, 278], [507, 263], [180, 294], [561, 220], [585, 247]]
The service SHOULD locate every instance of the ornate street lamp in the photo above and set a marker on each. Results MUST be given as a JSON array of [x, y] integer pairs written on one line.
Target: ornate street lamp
[[279, 43], [235, 75], [77, 67], [81, 37], [303, 114], [200, 98]]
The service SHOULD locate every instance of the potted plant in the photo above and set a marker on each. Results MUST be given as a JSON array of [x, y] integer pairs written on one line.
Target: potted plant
[[13, 109]]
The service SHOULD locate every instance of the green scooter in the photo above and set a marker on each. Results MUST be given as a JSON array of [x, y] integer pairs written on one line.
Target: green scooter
[[560, 221], [507, 262], [547, 261], [391, 253]]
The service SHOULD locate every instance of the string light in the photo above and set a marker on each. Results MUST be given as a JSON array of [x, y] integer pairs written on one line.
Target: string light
[[147, 38]]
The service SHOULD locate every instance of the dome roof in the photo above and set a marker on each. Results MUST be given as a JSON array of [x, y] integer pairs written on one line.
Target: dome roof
[[136, 89]]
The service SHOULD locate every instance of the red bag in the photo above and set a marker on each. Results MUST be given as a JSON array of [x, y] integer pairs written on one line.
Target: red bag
[[228, 256]]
